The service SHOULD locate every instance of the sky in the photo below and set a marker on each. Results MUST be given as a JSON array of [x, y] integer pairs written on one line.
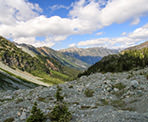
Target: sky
[[60, 24]]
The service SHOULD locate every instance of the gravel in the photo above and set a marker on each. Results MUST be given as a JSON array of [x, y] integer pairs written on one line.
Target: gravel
[[117, 97]]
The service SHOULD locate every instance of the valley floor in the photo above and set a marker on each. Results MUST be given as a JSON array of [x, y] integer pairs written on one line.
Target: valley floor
[[109, 97]]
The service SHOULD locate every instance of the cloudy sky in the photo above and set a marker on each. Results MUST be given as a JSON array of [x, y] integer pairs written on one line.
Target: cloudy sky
[[75, 23]]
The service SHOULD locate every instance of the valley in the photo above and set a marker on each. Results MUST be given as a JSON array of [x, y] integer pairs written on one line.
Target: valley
[[73, 60], [107, 88]]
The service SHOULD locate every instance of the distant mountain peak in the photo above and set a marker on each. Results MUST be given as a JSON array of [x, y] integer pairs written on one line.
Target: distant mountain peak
[[93, 51], [88, 55]]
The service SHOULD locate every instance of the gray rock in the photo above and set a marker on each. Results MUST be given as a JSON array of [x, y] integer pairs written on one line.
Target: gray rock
[[104, 106], [8, 97], [116, 89], [134, 84], [23, 116]]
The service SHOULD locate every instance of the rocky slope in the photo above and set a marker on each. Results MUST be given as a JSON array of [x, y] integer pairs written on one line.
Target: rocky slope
[[140, 46], [88, 55], [12, 79], [10, 82], [116, 97]]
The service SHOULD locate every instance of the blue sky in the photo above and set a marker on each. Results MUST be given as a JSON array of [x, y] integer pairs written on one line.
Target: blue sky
[[75, 23]]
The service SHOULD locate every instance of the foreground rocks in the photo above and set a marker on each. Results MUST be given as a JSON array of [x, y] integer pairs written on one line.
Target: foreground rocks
[[118, 97]]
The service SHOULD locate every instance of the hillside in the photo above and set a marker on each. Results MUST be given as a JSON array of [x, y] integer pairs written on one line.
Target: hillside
[[88, 55], [16, 58], [61, 58], [109, 97], [9, 82], [140, 46], [50, 70], [124, 61]]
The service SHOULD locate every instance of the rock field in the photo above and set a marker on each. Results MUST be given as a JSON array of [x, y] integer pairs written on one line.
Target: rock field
[[109, 97]]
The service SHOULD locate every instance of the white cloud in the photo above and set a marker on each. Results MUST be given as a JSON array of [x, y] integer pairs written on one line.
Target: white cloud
[[124, 33], [72, 45], [37, 43], [99, 33], [12, 11], [135, 21], [115, 11], [20, 19], [140, 34], [56, 7]]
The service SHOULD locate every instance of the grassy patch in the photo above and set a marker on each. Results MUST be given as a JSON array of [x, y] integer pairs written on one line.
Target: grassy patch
[[9, 119], [104, 102], [88, 92], [19, 100], [59, 75], [41, 99], [119, 93], [119, 86], [118, 103]]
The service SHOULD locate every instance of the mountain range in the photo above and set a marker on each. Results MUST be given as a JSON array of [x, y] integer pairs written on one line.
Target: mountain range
[[89, 55], [45, 65], [128, 59]]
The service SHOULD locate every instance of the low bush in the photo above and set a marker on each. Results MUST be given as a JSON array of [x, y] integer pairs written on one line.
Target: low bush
[[58, 95], [88, 92], [36, 115], [60, 113], [9, 119]]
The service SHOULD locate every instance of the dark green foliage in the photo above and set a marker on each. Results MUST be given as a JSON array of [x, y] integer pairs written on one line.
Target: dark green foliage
[[9, 119], [124, 61], [88, 92], [147, 76], [104, 102], [58, 94], [16, 58], [60, 113], [36, 115]]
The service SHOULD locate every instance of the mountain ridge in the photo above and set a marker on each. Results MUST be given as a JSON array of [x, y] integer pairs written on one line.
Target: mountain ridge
[[139, 46], [89, 55], [128, 59], [48, 69]]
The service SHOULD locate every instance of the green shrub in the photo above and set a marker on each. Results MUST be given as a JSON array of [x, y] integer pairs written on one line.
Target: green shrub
[[60, 113], [88, 92], [36, 115], [58, 94], [147, 76], [104, 102], [9, 119], [41, 99]]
